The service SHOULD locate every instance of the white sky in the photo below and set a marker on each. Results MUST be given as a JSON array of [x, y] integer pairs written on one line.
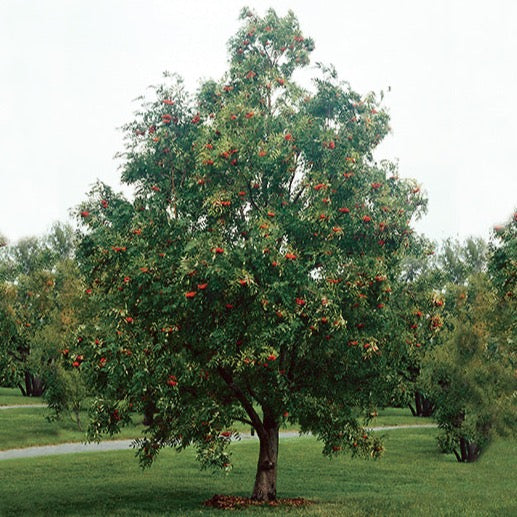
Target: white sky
[[69, 71]]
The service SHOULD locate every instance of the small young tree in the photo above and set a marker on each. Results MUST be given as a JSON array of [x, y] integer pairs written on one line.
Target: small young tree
[[249, 278], [65, 392], [65, 387]]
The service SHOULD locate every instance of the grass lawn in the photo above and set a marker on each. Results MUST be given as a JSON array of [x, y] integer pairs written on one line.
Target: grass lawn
[[411, 479], [12, 396], [398, 416], [27, 427]]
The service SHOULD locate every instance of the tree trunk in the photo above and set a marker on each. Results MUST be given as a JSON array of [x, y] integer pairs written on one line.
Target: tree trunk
[[22, 389], [34, 386], [423, 406], [149, 410], [469, 451], [265, 480], [37, 387]]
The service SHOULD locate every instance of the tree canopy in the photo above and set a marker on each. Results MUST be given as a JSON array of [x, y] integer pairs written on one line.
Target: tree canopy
[[249, 277], [40, 296]]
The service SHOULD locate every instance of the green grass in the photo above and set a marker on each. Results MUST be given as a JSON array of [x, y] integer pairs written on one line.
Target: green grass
[[13, 396], [412, 479], [398, 416], [27, 427]]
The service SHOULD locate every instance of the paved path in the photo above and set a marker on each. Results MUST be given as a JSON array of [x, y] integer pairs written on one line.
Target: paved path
[[115, 445]]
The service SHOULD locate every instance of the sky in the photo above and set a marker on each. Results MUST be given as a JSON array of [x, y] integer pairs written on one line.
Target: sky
[[70, 71]]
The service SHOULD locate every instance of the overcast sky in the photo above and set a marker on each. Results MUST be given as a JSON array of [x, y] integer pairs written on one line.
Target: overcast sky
[[69, 71]]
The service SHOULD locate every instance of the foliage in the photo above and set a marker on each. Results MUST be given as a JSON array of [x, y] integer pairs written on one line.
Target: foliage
[[41, 296], [430, 293], [420, 305], [249, 277], [65, 393], [471, 377], [503, 272]]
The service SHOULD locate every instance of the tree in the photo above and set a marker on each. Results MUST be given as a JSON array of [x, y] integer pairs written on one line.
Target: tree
[[65, 392], [419, 302], [469, 378], [24, 305], [502, 267], [431, 292], [37, 276], [65, 389], [249, 277]]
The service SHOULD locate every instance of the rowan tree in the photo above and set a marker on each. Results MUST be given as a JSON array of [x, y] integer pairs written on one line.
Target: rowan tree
[[248, 279]]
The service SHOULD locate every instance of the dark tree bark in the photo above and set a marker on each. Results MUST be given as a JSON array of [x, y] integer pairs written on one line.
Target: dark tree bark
[[149, 410], [267, 431], [22, 389], [265, 479], [34, 386], [469, 451], [423, 406]]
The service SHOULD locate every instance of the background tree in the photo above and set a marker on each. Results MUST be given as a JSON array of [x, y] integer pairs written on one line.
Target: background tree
[[502, 267], [420, 303], [471, 377], [37, 274], [249, 277], [431, 287], [65, 391], [469, 380]]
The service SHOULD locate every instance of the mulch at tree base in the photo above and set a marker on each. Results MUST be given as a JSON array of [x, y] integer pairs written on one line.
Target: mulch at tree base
[[233, 502]]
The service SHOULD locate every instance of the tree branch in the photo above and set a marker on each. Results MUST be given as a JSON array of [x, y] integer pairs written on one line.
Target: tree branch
[[174, 196], [299, 194], [246, 404], [245, 421], [252, 201]]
